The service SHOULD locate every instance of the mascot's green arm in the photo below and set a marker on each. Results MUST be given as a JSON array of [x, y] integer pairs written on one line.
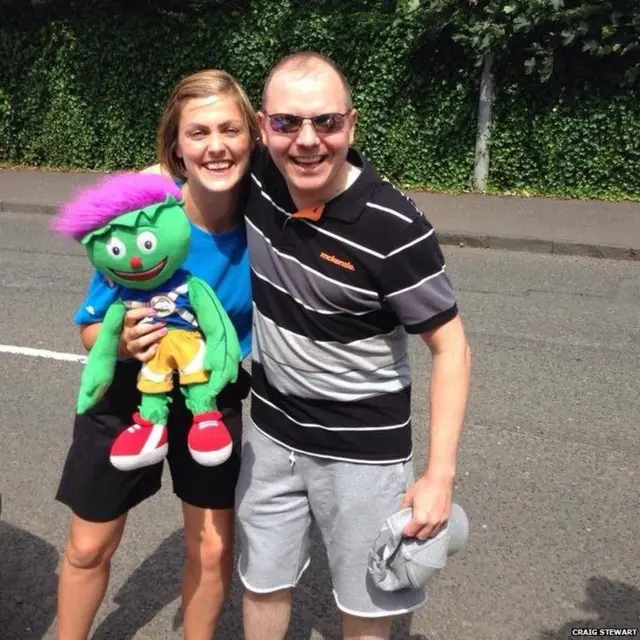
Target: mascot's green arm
[[223, 353], [101, 361]]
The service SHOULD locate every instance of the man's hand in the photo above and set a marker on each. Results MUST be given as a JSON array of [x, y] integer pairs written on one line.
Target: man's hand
[[430, 498]]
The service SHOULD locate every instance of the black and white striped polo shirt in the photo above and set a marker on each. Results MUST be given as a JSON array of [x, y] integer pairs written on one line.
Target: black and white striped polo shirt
[[335, 293]]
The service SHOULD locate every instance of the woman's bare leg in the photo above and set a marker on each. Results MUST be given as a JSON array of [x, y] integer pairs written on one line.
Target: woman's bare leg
[[207, 575], [84, 574]]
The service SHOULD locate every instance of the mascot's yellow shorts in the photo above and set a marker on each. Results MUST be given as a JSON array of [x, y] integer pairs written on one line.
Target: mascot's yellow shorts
[[181, 350]]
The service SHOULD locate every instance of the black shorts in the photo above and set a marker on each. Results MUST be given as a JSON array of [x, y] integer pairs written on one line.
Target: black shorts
[[98, 492]]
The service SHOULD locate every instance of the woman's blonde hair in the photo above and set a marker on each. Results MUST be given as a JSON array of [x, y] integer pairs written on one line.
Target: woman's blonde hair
[[198, 85]]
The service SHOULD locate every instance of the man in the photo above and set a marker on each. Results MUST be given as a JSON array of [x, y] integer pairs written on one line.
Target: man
[[344, 266]]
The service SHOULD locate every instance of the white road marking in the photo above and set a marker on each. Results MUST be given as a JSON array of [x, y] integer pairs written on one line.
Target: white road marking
[[42, 353]]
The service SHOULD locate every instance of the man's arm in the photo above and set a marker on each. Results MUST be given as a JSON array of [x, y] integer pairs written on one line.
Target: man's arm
[[416, 285], [450, 375], [431, 496]]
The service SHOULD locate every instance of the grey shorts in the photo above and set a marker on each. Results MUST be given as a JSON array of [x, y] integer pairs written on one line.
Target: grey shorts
[[280, 493]]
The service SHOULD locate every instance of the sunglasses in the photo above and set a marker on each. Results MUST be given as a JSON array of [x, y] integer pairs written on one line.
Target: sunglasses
[[323, 124]]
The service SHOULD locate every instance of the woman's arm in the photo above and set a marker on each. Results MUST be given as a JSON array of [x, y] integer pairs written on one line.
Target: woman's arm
[[88, 334]]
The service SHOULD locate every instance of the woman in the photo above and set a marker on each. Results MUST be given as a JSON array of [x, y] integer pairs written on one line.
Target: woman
[[205, 141]]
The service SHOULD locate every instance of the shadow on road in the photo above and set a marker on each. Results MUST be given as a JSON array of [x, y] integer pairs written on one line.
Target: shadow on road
[[616, 604], [28, 582], [156, 583], [150, 588]]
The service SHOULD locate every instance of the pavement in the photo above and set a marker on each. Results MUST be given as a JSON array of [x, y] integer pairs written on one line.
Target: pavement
[[589, 228]]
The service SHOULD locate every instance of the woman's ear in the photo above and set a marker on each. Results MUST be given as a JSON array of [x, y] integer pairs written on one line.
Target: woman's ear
[[176, 150]]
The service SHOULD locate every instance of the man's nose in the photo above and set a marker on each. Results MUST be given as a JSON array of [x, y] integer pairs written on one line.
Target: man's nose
[[307, 135]]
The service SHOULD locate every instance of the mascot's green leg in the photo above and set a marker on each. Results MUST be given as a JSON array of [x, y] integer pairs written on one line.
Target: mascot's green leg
[[198, 398], [155, 407], [146, 441], [209, 440]]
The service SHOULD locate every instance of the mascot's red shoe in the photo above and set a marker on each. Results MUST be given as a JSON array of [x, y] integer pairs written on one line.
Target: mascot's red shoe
[[209, 439], [141, 445]]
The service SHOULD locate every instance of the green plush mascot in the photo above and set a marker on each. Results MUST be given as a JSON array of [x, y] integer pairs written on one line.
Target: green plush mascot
[[137, 235]]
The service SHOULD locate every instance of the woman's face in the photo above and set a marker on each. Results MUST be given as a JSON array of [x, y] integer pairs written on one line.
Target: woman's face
[[214, 142]]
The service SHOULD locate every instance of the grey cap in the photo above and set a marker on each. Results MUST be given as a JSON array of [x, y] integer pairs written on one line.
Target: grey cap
[[397, 562]]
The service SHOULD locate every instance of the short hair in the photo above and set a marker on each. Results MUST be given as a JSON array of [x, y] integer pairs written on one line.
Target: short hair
[[307, 61], [202, 84]]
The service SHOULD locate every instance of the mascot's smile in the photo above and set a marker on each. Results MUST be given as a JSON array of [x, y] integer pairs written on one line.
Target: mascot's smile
[[141, 275]]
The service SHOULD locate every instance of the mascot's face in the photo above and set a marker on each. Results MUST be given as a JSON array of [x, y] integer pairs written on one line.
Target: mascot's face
[[141, 249]]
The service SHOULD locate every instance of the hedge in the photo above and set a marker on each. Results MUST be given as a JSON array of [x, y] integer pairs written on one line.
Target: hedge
[[84, 88]]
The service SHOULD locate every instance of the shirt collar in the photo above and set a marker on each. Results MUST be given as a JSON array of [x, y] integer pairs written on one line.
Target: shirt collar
[[347, 206]]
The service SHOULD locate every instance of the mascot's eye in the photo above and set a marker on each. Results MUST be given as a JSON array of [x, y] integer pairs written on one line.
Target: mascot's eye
[[116, 248], [147, 241]]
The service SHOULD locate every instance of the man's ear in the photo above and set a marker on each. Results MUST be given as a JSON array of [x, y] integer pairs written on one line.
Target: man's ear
[[353, 119], [262, 121]]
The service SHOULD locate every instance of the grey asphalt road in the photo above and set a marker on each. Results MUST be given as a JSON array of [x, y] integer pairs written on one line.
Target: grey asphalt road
[[548, 467]]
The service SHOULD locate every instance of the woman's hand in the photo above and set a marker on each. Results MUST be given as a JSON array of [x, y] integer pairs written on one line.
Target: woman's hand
[[140, 339]]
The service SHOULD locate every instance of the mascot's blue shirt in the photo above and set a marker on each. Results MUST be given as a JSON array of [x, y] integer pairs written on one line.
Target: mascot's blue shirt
[[220, 259], [170, 301]]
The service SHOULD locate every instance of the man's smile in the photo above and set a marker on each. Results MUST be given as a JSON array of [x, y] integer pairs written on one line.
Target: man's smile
[[141, 275]]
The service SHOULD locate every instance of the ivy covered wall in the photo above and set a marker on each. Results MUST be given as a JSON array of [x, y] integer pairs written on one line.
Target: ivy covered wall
[[84, 86]]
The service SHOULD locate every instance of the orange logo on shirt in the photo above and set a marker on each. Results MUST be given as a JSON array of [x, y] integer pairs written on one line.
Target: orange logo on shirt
[[340, 263], [312, 213]]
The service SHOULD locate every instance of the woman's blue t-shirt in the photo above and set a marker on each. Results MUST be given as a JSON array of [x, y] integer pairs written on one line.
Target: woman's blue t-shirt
[[220, 259]]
